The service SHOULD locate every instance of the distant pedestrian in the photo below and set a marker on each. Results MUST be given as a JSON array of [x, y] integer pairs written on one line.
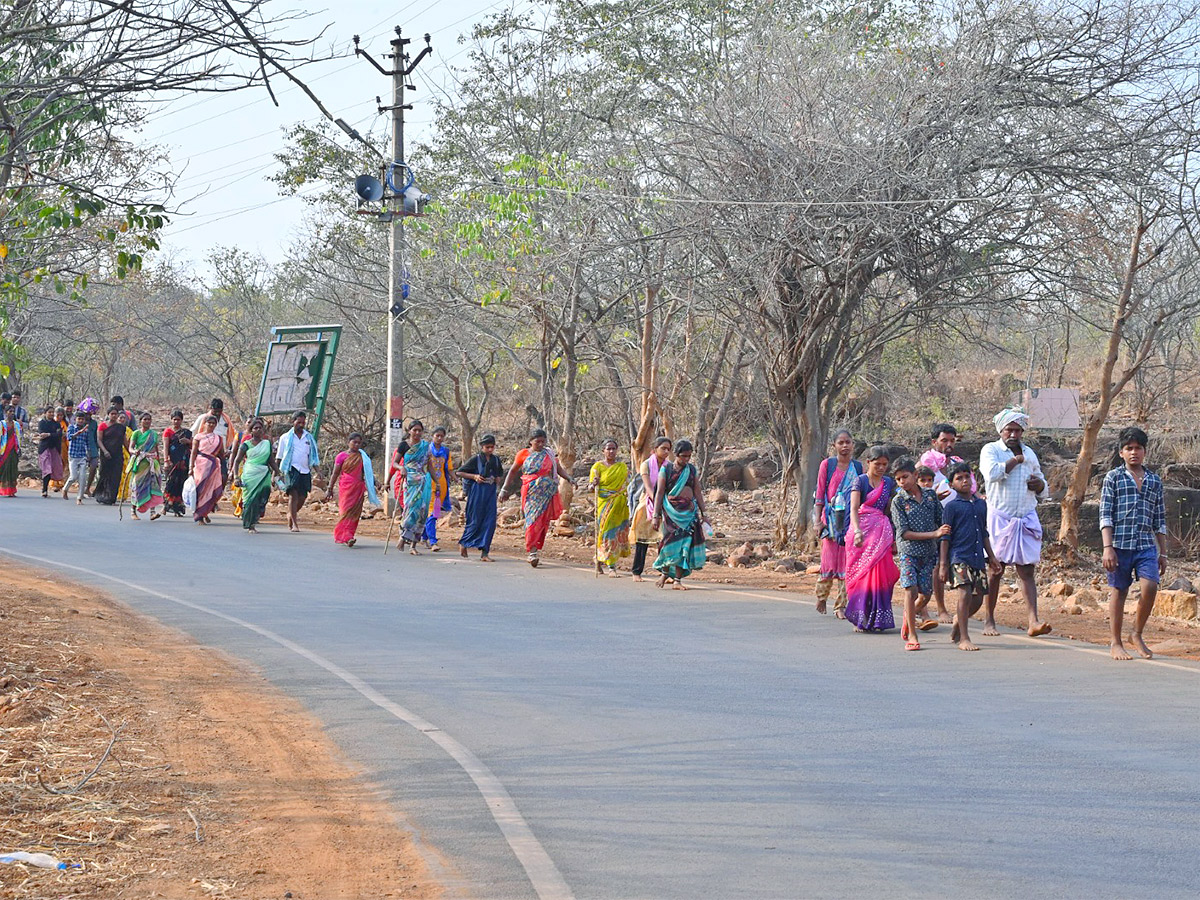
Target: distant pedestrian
[[1014, 481], [608, 478], [441, 473], [917, 517], [178, 441], [416, 484], [112, 433], [78, 442], [89, 407], [871, 572], [205, 468], [64, 422], [355, 480], [254, 477], [642, 503], [19, 412], [966, 552], [1133, 527], [539, 470], [298, 457], [679, 511], [481, 476], [144, 470], [831, 513], [50, 447], [224, 430], [10, 452]]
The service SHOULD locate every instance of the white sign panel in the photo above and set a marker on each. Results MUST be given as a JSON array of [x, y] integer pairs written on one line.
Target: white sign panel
[[1051, 407], [291, 369]]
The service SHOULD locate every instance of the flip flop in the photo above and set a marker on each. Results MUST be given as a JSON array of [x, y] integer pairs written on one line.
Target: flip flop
[[911, 645], [927, 624]]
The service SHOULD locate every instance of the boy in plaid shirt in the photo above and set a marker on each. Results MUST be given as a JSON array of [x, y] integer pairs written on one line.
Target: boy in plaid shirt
[[1133, 525], [77, 455]]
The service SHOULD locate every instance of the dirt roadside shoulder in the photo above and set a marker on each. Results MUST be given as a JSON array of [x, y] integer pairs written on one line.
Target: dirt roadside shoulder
[[217, 784]]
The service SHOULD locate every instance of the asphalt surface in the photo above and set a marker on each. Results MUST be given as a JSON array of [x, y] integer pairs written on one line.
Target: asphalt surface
[[658, 744]]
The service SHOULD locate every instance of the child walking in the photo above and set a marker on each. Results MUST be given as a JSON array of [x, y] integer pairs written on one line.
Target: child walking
[[966, 552], [1133, 525], [78, 438], [917, 516], [927, 481]]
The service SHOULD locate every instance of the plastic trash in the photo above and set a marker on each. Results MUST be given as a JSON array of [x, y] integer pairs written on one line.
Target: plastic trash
[[41, 860]]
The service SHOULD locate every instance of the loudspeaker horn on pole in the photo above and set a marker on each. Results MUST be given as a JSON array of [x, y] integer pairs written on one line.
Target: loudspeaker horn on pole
[[369, 188]]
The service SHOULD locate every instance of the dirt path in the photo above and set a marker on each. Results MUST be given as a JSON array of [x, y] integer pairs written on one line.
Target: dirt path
[[216, 786]]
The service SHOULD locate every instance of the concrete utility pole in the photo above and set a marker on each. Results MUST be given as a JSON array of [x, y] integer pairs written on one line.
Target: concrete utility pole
[[394, 401]]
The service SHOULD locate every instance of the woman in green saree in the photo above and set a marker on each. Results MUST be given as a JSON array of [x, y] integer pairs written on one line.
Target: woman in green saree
[[143, 469], [258, 464]]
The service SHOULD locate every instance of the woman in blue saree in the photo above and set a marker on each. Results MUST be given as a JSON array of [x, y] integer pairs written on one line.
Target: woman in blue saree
[[417, 476], [481, 475], [679, 509]]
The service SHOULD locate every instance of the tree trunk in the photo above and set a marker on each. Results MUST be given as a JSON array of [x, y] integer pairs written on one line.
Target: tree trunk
[[1068, 531]]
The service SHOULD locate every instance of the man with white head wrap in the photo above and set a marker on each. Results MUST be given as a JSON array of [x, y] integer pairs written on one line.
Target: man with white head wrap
[[1014, 482]]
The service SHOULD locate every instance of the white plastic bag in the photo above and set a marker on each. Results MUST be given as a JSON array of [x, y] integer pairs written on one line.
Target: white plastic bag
[[189, 493]]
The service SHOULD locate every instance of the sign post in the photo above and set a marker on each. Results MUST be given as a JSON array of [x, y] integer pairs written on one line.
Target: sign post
[[298, 371]]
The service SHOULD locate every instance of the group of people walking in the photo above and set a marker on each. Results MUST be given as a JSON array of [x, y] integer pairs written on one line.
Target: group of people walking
[[928, 526], [927, 523], [666, 498]]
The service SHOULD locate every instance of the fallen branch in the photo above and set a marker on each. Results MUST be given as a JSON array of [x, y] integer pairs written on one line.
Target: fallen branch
[[196, 822], [88, 777]]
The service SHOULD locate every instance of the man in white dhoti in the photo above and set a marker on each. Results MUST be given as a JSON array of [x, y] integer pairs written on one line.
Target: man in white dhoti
[[1014, 481]]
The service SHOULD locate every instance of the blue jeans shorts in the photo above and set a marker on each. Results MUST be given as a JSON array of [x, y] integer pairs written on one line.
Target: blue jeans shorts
[[1131, 564]]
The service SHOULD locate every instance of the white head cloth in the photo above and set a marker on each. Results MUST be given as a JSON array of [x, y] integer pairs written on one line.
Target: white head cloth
[[1010, 415]]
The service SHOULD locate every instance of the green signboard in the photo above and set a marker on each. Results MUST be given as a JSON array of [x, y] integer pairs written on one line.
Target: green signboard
[[298, 371]]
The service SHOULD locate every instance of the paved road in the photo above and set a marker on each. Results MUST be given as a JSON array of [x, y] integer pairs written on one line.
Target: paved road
[[549, 733]]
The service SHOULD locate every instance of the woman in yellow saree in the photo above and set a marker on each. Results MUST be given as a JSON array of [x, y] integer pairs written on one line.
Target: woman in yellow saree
[[608, 479]]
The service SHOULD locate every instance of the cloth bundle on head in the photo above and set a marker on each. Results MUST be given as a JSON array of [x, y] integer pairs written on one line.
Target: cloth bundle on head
[[933, 459], [1010, 415], [89, 405]]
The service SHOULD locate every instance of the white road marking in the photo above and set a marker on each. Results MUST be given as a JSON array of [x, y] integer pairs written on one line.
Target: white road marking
[[547, 881]]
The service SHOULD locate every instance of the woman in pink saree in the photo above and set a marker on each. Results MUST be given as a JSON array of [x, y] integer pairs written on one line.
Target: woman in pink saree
[[871, 571], [355, 482], [207, 450]]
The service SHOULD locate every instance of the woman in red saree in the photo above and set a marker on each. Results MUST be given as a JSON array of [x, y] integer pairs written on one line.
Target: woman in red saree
[[540, 470], [355, 482], [871, 572], [10, 452], [207, 450]]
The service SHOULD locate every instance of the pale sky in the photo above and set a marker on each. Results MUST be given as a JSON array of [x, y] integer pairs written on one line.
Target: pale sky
[[224, 144]]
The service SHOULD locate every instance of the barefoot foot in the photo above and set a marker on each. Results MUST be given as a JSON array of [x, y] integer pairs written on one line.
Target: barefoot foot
[[638, 578], [1039, 628], [1119, 652], [1140, 646], [966, 645], [821, 607], [462, 552], [989, 629], [945, 618]]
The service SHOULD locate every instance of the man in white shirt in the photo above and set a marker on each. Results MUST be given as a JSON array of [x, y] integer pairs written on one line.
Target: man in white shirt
[[298, 456], [1014, 480]]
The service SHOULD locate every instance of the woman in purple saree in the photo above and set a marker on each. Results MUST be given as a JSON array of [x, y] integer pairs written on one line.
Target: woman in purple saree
[[871, 572]]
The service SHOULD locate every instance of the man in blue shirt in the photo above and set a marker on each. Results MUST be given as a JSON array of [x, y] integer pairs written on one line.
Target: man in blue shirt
[[966, 552], [1133, 525]]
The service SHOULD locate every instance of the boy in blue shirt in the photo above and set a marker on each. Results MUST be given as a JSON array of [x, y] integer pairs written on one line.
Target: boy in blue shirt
[[917, 518], [966, 552], [1133, 525]]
